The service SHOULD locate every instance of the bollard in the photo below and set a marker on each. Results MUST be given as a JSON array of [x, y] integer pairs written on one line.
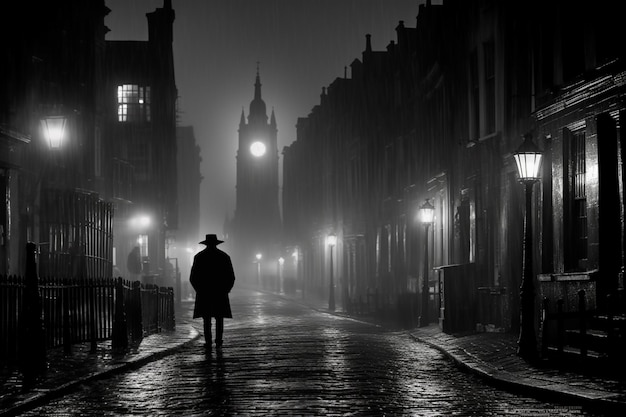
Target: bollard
[[119, 338], [32, 342]]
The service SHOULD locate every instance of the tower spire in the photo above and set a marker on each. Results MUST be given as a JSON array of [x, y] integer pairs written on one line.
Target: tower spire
[[257, 84], [242, 121]]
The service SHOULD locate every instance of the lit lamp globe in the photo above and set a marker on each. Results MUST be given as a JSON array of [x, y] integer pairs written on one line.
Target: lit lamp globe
[[258, 149], [528, 159], [54, 130], [427, 213], [331, 240]]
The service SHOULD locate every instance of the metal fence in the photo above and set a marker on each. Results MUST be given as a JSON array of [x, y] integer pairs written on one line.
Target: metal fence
[[75, 310]]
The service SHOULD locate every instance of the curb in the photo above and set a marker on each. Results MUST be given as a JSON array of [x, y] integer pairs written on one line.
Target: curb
[[64, 389], [512, 383]]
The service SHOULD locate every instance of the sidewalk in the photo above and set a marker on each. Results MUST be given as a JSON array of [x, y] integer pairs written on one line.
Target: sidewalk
[[493, 356], [66, 372]]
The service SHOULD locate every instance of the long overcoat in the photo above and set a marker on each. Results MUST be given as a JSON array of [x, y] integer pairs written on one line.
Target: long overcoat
[[212, 277]]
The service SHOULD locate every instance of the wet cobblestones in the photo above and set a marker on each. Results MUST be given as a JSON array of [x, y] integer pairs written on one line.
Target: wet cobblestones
[[281, 358]]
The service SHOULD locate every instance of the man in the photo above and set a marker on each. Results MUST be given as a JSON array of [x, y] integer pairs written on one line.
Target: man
[[212, 277]]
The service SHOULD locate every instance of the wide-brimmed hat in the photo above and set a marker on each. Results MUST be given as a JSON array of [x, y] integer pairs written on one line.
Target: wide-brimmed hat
[[211, 240]]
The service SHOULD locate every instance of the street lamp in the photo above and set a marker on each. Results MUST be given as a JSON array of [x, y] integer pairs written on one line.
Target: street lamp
[[54, 130], [331, 241], [281, 262], [258, 268], [296, 257], [528, 159], [426, 217]]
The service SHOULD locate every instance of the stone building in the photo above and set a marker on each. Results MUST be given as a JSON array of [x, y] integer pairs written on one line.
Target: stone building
[[437, 116]]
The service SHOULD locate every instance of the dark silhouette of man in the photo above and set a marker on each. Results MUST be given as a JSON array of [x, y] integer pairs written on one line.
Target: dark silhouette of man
[[212, 277], [133, 263]]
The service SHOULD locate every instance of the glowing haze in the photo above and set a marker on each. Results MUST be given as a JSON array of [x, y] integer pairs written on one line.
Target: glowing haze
[[302, 46]]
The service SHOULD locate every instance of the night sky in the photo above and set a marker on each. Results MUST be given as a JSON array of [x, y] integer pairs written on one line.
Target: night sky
[[302, 46]]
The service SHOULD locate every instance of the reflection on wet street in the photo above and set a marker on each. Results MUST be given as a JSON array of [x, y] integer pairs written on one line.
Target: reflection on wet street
[[282, 358]]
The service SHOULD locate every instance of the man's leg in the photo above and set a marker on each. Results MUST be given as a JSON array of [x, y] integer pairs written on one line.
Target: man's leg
[[207, 330], [219, 331]]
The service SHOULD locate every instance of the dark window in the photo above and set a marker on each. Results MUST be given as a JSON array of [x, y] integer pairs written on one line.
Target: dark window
[[573, 47], [490, 87], [575, 199], [474, 97]]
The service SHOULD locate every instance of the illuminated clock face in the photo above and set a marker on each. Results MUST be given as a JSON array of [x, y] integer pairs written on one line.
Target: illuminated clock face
[[257, 149]]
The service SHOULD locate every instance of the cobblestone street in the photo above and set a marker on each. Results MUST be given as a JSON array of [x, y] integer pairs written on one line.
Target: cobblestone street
[[283, 358]]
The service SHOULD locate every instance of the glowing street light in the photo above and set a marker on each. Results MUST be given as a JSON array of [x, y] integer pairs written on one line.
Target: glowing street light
[[54, 130], [281, 262], [258, 257], [141, 221], [528, 159], [427, 217], [331, 241]]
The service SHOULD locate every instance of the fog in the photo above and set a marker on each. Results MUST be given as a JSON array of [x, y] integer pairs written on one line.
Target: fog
[[301, 47]]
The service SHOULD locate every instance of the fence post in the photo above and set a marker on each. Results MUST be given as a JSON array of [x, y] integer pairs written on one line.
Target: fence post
[[137, 324], [92, 287], [582, 311], [67, 335], [544, 332], [119, 338], [32, 342], [610, 331], [560, 325], [157, 295], [172, 310]]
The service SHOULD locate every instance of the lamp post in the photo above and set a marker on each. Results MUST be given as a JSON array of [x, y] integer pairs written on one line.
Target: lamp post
[[258, 268], [281, 262], [426, 217], [528, 159], [296, 268], [331, 241]]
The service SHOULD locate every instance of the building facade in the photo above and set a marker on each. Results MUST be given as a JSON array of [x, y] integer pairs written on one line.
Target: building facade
[[88, 138], [140, 144], [437, 116], [51, 120]]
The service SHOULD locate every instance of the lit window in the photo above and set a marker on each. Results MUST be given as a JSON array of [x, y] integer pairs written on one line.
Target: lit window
[[133, 103]]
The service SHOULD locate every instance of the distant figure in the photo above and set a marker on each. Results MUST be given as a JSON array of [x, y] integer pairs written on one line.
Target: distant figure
[[133, 263], [212, 277]]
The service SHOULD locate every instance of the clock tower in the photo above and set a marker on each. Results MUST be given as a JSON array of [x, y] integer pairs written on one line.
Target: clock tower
[[256, 227]]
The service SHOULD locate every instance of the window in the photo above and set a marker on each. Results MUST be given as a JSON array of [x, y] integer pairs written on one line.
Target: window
[[474, 97], [122, 180], [465, 227], [142, 242], [490, 87], [133, 103], [575, 200], [572, 43]]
